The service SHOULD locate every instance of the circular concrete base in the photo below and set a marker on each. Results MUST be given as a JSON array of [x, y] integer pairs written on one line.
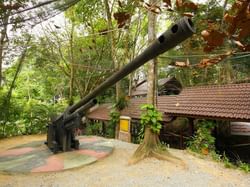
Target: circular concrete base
[[36, 157]]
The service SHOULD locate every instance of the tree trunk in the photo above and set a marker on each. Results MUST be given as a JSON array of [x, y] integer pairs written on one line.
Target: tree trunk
[[2, 43], [19, 67], [72, 69], [116, 64], [113, 49], [152, 65], [151, 140], [9, 94], [151, 145]]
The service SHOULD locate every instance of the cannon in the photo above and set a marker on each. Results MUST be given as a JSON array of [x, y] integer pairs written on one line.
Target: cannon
[[60, 136]]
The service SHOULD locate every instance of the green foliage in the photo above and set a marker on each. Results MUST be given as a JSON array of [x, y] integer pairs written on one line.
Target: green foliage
[[164, 146], [94, 128], [226, 161], [140, 137], [31, 105], [121, 103], [151, 118], [113, 122], [239, 164], [84, 10], [244, 166], [115, 116], [215, 156], [27, 116], [35, 117], [203, 138]]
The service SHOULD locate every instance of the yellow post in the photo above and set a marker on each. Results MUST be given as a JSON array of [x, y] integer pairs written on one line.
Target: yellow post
[[124, 133]]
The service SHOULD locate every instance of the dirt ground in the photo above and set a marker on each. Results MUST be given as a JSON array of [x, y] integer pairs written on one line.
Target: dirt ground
[[115, 171]]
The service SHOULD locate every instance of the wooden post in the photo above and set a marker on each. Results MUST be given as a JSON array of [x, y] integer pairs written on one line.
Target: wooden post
[[191, 126]]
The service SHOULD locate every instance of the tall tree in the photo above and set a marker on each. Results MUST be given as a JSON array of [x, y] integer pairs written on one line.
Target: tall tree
[[72, 62], [6, 102], [85, 60], [151, 145], [20, 16], [4, 14], [112, 46]]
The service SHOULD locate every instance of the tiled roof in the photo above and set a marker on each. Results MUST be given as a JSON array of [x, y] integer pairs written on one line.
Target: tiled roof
[[230, 101], [133, 110], [100, 112]]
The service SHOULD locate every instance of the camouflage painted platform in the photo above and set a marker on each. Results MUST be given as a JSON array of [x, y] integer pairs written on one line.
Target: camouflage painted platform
[[36, 157]]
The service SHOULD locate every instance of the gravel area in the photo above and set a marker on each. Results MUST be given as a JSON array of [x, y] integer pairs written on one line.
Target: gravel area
[[115, 171]]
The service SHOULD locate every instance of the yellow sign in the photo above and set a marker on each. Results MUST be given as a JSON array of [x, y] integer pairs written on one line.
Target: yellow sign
[[124, 132], [124, 125]]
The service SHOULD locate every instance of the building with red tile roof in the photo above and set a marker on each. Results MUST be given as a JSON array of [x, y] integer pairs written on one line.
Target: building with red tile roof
[[225, 102]]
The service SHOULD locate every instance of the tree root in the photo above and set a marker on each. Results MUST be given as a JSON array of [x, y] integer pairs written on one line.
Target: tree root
[[142, 153], [165, 155], [151, 148]]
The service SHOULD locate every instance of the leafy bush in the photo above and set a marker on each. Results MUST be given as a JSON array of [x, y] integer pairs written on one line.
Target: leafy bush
[[244, 166], [94, 128], [226, 161], [140, 136], [113, 122], [121, 103], [203, 138], [151, 118], [27, 117]]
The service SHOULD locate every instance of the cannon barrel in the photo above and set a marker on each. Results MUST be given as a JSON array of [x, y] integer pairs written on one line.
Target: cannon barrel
[[177, 33], [80, 111]]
